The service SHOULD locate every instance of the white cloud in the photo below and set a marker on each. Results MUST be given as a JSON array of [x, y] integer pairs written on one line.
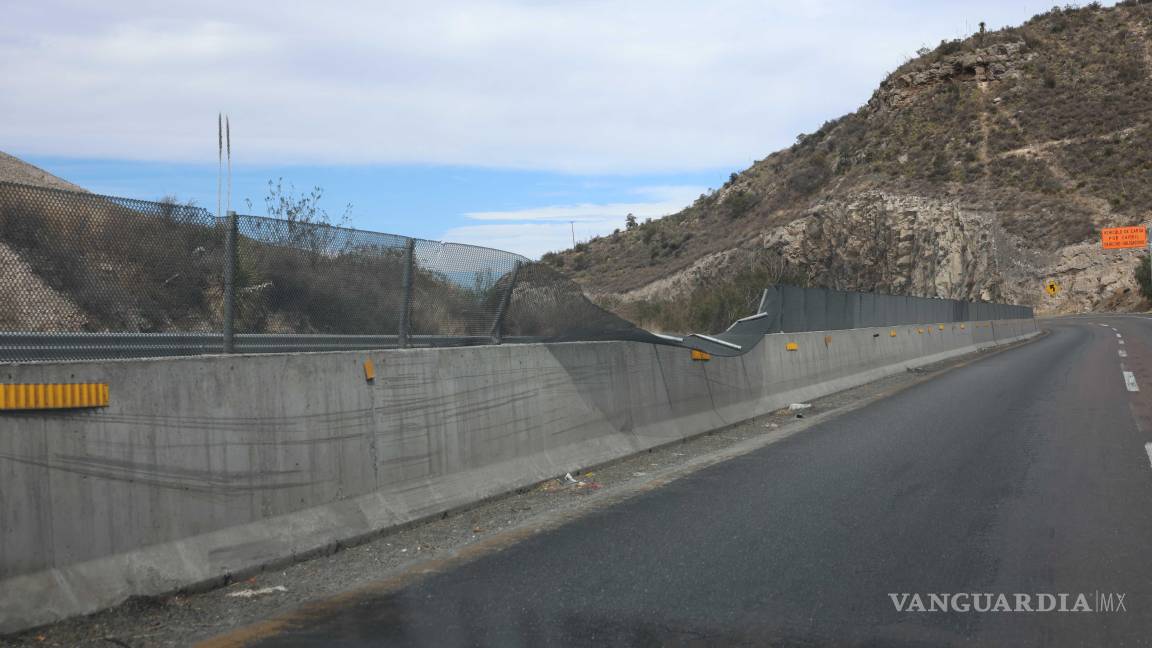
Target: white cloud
[[537, 230], [589, 86]]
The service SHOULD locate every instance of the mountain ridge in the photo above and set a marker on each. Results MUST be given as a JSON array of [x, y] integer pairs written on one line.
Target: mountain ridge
[[979, 170]]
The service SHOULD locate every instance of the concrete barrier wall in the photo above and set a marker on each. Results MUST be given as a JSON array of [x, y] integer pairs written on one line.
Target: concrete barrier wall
[[209, 466]]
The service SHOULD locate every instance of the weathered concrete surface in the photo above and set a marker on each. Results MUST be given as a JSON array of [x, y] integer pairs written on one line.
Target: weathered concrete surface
[[209, 466]]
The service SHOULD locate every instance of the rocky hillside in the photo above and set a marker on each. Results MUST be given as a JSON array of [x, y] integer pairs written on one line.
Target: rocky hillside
[[26, 302], [978, 170], [16, 170]]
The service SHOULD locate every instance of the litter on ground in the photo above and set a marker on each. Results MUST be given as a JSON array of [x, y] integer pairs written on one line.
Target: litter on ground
[[249, 593]]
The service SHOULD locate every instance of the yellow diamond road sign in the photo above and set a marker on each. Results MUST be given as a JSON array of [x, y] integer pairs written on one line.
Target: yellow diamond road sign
[[1052, 287]]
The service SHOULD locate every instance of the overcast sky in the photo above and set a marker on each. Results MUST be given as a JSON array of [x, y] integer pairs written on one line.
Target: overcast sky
[[657, 100]]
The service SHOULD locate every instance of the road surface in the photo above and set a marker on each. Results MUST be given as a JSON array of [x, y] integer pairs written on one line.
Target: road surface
[[1025, 472]]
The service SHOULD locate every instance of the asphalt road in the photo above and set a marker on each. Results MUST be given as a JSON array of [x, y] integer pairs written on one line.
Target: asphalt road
[[1024, 472]]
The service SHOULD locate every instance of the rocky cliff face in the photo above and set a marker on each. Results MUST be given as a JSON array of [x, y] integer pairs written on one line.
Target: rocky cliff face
[[982, 65], [981, 170], [917, 245]]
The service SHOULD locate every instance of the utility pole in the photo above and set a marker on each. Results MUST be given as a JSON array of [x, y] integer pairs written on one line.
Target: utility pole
[[573, 224]]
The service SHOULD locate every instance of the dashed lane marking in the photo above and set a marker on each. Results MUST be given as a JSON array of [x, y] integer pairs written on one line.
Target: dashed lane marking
[[1123, 353], [1130, 381]]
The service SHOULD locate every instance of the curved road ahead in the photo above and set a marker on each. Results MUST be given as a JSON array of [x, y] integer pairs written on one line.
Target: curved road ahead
[[1024, 472]]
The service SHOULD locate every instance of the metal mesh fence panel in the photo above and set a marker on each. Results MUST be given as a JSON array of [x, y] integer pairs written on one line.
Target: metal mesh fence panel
[[303, 278], [791, 309], [816, 308], [458, 289], [73, 262], [838, 315], [547, 305]]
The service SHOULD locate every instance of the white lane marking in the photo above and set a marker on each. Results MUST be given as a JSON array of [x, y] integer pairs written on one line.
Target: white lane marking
[[1119, 336], [1130, 382], [1105, 326], [1120, 341], [1148, 449], [1123, 353]]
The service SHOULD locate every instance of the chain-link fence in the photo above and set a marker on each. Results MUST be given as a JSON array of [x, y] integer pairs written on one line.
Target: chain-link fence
[[84, 276], [89, 276], [74, 262], [791, 308]]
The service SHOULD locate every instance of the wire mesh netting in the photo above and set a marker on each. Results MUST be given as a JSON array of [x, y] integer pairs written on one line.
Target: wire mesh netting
[[89, 276], [72, 262], [296, 277], [84, 276], [792, 309]]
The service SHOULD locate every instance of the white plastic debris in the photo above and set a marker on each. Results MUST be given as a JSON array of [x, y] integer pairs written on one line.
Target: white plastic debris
[[795, 407], [249, 593], [570, 479]]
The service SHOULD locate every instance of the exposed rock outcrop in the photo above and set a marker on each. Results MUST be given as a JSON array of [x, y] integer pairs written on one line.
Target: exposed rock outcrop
[[919, 245], [985, 64]]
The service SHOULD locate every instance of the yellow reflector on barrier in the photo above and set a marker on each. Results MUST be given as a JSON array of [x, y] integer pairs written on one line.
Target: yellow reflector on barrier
[[39, 396], [792, 346], [369, 370], [961, 327], [920, 330], [892, 333], [701, 356], [941, 327]]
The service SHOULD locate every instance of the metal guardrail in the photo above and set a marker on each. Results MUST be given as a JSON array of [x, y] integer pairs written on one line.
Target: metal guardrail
[[43, 347]]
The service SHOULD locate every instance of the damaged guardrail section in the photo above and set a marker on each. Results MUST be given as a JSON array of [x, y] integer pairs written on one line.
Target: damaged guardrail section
[[206, 467]]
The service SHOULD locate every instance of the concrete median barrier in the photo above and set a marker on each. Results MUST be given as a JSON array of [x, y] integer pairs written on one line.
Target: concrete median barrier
[[204, 468]]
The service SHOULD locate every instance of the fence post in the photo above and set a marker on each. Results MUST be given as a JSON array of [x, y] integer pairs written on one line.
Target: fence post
[[406, 301], [498, 325], [763, 302], [230, 284]]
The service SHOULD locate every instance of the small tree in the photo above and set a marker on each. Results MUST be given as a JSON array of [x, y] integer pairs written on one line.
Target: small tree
[[309, 225], [630, 221]]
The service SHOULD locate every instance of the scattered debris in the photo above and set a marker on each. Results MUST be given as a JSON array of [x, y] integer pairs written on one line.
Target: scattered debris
[[771, 425], [639, 474], [477, 529], [249, 593], [795, 407], [570, 479]]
